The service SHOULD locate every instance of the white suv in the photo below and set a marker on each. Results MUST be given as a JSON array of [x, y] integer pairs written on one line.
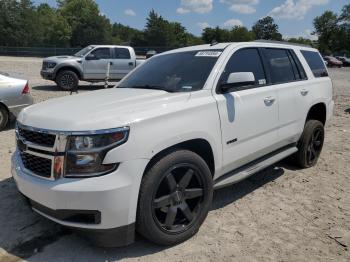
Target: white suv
[[148, 154]]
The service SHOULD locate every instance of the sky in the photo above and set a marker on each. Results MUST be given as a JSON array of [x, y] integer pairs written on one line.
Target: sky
[[294, 17]]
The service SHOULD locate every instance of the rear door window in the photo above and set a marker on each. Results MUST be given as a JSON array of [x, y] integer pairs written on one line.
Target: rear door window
[[281, 67], [316, 63], [121, 53]]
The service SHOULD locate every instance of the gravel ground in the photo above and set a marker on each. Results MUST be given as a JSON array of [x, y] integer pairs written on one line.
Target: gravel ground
[[280, 214]]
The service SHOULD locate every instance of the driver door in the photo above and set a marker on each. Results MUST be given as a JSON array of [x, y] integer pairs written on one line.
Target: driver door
[[95, 64], [248, 114]]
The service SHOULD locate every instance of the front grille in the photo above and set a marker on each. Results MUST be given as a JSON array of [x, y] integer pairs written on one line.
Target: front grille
[[45, 65], [41, 139], [38, 165]]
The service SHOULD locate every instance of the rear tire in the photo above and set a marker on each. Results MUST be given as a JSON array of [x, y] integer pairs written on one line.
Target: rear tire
[[67, 80], [4, 117], [175, 197], [310, 144]]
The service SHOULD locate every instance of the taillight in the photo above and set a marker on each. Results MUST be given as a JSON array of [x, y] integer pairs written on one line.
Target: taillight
[[26, 89]]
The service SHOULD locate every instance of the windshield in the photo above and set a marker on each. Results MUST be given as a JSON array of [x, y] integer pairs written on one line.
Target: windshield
[[177, 72], [84, 51]]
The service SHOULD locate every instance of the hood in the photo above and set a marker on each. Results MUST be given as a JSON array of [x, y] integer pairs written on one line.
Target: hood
[[59, 59], [101, 109]]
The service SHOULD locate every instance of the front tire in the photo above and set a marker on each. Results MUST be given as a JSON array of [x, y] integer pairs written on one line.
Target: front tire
[[175, 197], [67, 80], [310, 144], [4, 117]]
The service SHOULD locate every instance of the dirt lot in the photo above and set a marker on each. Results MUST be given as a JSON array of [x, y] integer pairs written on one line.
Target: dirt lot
[[281, 214]]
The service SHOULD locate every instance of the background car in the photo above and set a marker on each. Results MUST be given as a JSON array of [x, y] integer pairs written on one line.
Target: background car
[[345, 60], [150, 53], [14, 96], [325, 62], [333, 62]]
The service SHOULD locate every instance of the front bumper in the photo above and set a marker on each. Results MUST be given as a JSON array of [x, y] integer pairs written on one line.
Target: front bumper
[[113, 196], [48, 75]]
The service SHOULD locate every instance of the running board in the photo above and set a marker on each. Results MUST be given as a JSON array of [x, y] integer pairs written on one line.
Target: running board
[[250, 169]]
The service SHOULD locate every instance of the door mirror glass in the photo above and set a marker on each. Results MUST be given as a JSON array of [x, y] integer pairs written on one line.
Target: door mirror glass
[[91, 57], [239, 79]]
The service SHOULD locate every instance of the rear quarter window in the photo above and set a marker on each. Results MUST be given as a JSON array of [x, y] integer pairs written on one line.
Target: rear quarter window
[[315, 63]]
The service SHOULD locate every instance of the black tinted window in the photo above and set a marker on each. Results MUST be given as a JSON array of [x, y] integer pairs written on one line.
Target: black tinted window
[[281, 68], [102, 53], [245, 60], [300, 67], [121, 53], [174, 72], [315, 62]]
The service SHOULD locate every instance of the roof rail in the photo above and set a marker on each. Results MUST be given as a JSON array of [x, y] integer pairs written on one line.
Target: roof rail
[[280, 42]]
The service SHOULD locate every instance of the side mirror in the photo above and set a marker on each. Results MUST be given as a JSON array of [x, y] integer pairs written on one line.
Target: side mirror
[[91, 57], [238, 79]]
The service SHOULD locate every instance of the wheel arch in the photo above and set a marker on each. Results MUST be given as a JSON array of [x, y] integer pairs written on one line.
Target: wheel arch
[[9, 116], [69, 68], [3, 105], [199, 146], [318, 112]]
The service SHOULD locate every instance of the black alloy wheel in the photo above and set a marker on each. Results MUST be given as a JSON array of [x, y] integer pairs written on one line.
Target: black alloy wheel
[[310, 144], [315, 146], [67, 80], [178, 199], [175, 196]]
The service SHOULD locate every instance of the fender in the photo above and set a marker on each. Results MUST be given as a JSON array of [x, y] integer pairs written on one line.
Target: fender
[[73, 65]]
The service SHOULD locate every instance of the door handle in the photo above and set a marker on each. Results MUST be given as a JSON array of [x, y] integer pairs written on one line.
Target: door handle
[[111, 63], [269, 100], [131, 64], [304, 92]]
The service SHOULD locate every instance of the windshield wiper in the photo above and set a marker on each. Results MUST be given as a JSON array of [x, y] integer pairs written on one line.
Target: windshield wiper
[[154, 87]]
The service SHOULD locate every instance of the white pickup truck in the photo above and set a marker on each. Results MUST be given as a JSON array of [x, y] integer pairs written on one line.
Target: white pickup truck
[[90, 64], [148, 154]]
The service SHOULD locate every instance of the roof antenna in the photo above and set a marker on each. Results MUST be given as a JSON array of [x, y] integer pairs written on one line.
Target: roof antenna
[[214, 42]]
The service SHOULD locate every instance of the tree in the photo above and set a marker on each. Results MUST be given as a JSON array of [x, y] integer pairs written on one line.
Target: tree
[[122, 34], [301, 40], [266, 29], [344, 34], [216, 34], [160, 32], [241, 34], [345, 15], [54, 29], [88, 25], [236, 34], [194, 40], [18, 23], [326, 27], [156, 30]]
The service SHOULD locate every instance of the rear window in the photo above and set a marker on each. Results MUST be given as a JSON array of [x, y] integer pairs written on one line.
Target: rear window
[[316, 63]]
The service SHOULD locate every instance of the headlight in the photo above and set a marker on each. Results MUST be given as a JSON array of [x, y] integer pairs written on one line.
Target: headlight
[[86, 152], [51, 64]]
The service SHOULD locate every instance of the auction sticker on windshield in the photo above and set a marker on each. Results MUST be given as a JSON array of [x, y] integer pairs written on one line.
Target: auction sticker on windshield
[[209, 53]]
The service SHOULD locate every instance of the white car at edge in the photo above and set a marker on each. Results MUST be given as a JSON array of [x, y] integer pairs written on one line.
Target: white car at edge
[[148, 154]]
